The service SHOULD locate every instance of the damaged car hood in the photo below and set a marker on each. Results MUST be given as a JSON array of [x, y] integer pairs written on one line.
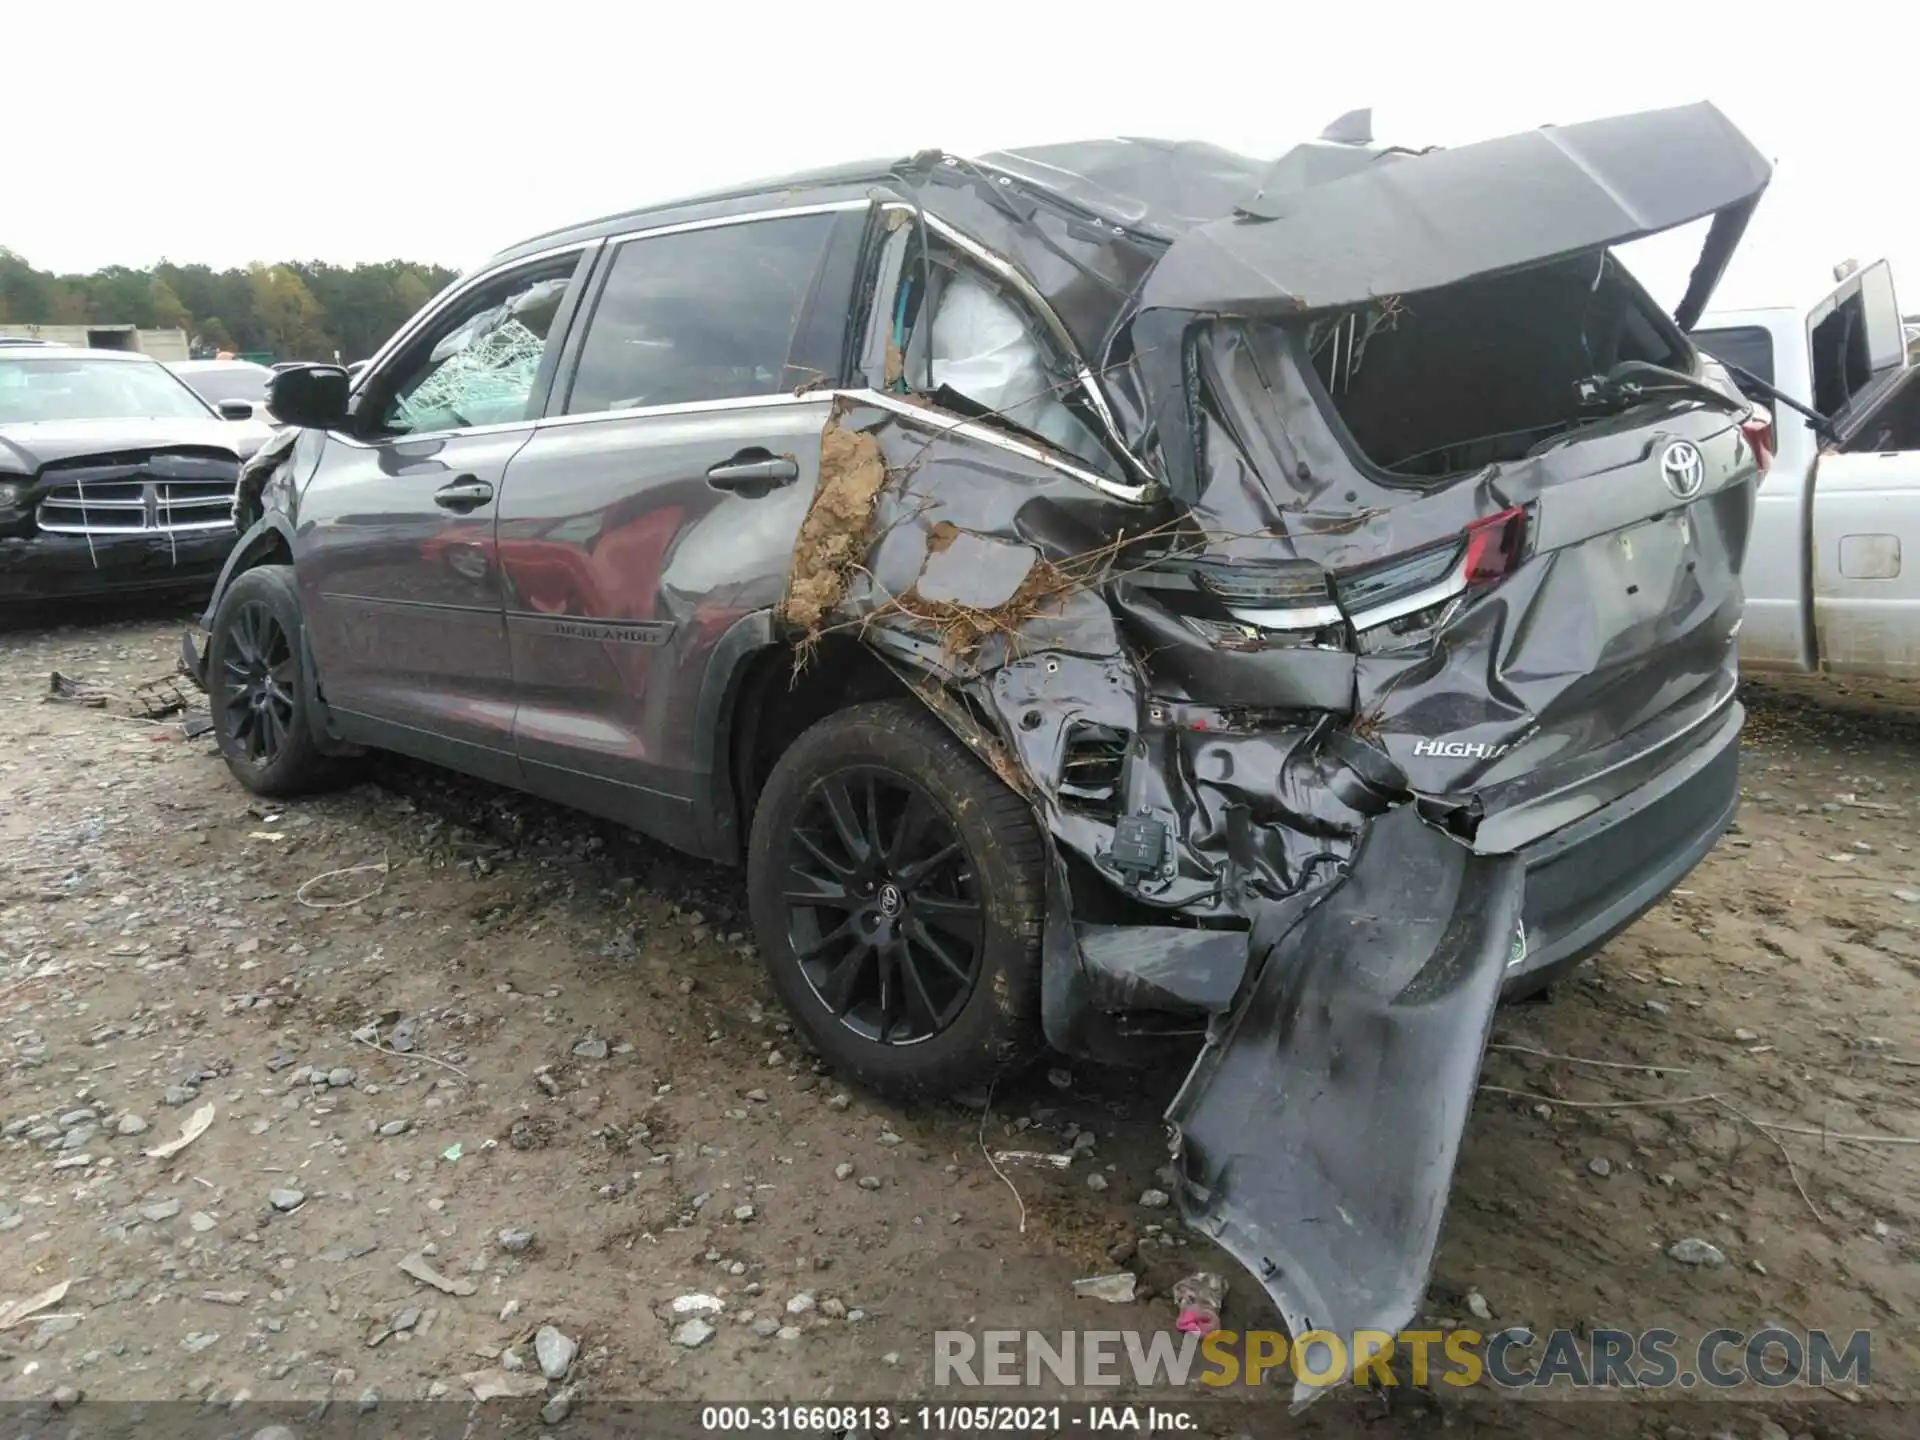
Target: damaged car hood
[[26, 447], [1413, 222]]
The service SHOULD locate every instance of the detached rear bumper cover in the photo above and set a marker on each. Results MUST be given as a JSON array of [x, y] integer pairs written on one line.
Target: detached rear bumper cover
[[1318, 1137], [1318, 1132]]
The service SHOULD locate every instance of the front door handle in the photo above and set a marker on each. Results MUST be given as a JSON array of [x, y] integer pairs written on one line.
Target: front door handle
[[466, 493], [754, 470]]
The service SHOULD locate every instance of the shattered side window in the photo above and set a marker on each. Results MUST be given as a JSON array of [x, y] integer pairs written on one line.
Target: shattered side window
[[704, 315], [482, 371]]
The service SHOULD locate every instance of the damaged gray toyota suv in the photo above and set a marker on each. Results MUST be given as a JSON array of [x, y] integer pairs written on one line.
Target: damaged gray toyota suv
[[1117, 594]]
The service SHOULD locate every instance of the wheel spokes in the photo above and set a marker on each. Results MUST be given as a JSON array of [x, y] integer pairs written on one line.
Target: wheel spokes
[[819, 890], [924, 867], [889, 960], [819, 852], [915, 816], [258, 685], [957, 917], [843, 980], [913, 989], [846, 821], [919, 934]]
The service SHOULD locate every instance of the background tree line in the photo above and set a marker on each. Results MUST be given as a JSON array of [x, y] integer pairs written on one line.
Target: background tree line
[[301, 310]]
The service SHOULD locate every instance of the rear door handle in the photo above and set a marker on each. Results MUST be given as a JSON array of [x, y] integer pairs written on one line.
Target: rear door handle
[[754, 470], [466, 493]]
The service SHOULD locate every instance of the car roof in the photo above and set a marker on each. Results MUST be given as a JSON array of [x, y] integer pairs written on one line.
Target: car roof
[[1156, 187], [799, 187]]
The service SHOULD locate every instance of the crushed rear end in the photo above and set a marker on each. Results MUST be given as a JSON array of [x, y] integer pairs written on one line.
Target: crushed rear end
[[1407, 675], [1433, 385]]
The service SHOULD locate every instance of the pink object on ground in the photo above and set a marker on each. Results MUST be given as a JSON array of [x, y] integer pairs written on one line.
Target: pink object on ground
[[1197, 1321]]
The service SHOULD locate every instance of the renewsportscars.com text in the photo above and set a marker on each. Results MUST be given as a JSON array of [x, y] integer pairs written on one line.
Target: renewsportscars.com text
[[1512, 1359]]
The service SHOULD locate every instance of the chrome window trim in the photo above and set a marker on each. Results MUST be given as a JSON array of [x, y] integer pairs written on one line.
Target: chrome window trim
[[642, 412], [936, 419], [340, 437], [790, 212], [987, 435], [1056, 327], [689, 407], [968, 429]]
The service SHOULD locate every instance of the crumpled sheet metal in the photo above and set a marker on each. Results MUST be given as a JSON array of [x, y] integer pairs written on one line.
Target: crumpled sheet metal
[[1162, 188], [1530, 670], [1346, 946], [1433, 219], [1557, 649], [1318, 1136], [1247, 802], [1115, 212]]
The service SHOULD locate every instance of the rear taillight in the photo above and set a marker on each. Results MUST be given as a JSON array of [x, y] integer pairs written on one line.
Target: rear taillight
[[1484, 552], [1494, 545]]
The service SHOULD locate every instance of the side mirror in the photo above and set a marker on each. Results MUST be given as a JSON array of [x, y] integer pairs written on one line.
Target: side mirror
[[235, 409], [313, 397]]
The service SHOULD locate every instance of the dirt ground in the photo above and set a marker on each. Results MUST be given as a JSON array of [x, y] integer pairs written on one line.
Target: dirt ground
[[575, 1040]]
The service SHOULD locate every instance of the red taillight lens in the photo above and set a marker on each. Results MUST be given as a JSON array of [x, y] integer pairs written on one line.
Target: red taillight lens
[[1494, 546], [1484, 552]]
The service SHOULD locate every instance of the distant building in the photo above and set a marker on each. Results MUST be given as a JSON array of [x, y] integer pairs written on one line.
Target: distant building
[[166, 345]]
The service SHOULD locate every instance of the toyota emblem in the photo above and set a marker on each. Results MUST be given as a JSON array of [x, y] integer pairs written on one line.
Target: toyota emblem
[[1683, 469]]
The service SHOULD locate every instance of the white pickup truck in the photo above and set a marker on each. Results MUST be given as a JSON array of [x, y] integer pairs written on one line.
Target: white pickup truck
[[1828, 590]]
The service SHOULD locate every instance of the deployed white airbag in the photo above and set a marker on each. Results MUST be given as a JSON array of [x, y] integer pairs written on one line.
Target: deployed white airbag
[[983, 349]]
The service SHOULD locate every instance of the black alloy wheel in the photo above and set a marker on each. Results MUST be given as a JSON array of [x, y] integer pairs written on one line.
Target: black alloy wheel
[[259, 678], [259, 691], [897, 886], [883, 909]]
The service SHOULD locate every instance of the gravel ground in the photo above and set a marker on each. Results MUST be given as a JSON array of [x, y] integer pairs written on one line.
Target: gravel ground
[[486, 1100]]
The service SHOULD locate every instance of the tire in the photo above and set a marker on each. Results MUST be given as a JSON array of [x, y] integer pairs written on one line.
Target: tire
[[254, 650], [905, 911]]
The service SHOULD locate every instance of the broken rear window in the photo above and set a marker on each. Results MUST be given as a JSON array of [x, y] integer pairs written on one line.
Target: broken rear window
[[1450, 380]]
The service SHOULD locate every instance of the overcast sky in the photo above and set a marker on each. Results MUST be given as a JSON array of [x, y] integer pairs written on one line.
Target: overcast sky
[[433, 131]]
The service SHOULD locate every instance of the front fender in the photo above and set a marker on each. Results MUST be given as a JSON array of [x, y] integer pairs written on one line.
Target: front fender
[[271, 531]]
